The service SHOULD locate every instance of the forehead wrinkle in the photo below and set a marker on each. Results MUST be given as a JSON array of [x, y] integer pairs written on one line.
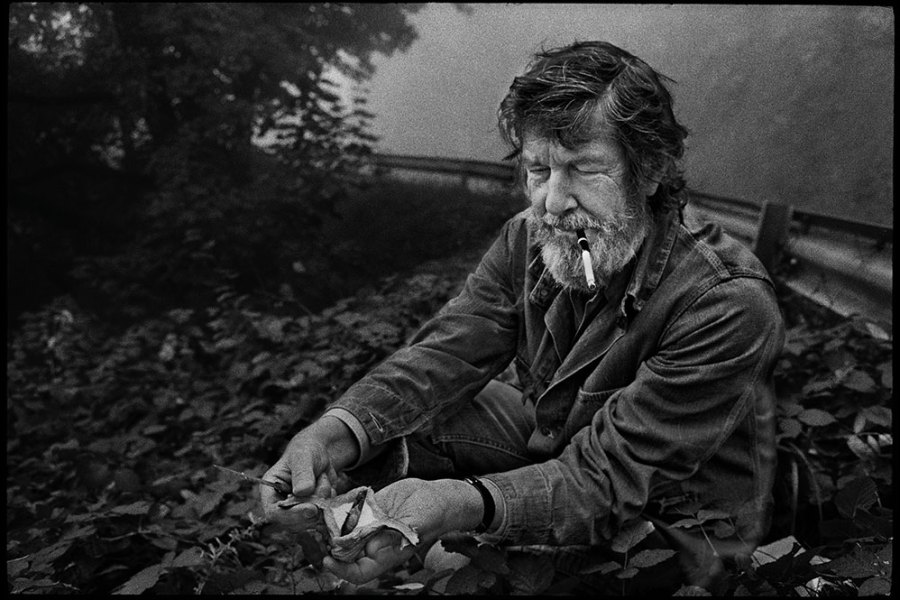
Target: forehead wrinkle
[[603, 151]]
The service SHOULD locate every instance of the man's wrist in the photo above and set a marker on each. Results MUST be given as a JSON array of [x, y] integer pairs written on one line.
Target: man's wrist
[[366, 450], [464, 505], [342, 444], [468, 505]]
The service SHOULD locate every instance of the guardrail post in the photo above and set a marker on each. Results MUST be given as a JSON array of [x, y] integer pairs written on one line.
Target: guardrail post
[[771, 232]]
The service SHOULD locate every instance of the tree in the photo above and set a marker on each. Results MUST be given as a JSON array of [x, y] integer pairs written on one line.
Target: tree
[[132, 127]]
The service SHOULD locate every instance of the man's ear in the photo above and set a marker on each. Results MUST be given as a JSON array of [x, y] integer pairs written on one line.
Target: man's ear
[[650, 186], [651, 183]]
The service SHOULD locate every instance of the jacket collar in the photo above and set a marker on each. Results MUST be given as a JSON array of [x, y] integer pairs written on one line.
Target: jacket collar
[[652, 259]]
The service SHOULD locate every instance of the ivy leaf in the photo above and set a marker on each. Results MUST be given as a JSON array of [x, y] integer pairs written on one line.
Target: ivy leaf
[[796, 342], [815, 417], [602, 568], [860, 563], [861, 493], [271, 328], [874, 586], [707, 515], [16, 566], [464, 581], [816, 387], [790, 408], [648, 558], [627, 573], [878, 415], [695, 590], [141, 507], [530, 574], [413, 586], [887, 374], [859, 447], [859, 381], [631, 535], [492, 559], [686, 523], [877, 332], [790, 428], [79, 532], [871, 524], [306, 581], [141, 581], [788, 546], [886, 556], [723, 529], [837, 358], [859, 422], [189, 558]]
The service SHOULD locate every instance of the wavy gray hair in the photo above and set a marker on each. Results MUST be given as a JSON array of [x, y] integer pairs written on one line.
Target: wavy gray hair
[[566, 93]]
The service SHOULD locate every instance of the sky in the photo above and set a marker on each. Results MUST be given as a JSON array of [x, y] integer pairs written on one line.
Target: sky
[[788, 103]]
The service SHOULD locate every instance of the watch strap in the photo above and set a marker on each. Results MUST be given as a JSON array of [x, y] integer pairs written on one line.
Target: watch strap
[[489, 507]]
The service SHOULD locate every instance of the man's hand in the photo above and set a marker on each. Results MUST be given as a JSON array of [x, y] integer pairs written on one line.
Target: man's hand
[[432, 508], [309, 467]]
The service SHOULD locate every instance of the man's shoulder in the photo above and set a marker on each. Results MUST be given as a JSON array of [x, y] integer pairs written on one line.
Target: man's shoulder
[[516, 227], [520, 219], [711, 245]]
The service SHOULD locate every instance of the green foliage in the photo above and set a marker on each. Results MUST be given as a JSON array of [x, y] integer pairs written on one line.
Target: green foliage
[[127, 473], [133, 130], [121, 494], [113, 429]]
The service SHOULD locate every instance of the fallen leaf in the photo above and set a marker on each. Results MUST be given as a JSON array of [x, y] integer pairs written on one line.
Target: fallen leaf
[[140, 581]]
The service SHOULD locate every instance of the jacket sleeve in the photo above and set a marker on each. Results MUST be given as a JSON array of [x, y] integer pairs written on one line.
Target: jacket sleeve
[[468, 342], [711, 369]]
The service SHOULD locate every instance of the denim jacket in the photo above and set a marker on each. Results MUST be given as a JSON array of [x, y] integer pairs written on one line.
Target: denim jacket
[[661, 408]]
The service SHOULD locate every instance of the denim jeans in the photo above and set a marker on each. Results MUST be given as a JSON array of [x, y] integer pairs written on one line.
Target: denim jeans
[[490, 435]]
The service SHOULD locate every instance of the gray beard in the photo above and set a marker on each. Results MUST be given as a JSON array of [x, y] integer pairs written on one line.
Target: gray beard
[[616, 243]]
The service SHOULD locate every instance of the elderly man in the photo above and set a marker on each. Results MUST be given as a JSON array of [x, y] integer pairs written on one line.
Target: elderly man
[[642, 347]]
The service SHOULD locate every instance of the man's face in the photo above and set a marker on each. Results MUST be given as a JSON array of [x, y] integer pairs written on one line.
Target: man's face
[[583, 188]]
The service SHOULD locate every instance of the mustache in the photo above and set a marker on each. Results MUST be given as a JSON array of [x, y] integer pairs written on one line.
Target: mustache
[[570, 223], [550, 224]]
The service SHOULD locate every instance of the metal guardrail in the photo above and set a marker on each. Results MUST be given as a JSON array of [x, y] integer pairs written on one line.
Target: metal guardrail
[[465, 169], [842, 264]]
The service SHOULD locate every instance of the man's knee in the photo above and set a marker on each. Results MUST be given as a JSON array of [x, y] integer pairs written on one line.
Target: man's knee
[[489, 434]]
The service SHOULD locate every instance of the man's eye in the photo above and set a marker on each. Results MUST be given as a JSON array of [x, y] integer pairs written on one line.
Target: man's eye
[[587, 170]]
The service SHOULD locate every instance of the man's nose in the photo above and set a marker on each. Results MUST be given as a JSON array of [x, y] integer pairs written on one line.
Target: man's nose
[[559, 198]]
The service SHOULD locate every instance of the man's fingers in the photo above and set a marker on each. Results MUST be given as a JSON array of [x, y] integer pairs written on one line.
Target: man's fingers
[[363, 570], [300, 473], [323, 486], [303, 485], [386, 539], [380, 557], [299, 516], [267, 495], [368, 566]]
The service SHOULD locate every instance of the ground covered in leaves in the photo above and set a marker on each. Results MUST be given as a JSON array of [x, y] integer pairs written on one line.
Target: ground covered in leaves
[[113, 434]]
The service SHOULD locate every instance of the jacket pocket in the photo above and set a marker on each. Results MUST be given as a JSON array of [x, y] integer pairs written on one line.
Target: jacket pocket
[[585, 406]]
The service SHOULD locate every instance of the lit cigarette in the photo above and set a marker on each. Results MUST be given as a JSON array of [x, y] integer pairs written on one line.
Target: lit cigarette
[[586, 259]]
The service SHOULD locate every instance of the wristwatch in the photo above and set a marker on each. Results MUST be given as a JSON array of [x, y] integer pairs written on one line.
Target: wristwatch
[[489, 507]]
